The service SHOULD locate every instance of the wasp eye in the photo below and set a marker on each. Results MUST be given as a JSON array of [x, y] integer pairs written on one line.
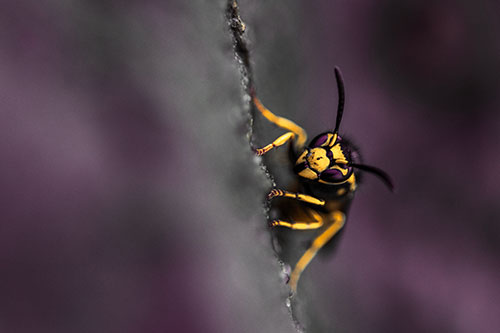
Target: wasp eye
[[319, 140], [332, 175]]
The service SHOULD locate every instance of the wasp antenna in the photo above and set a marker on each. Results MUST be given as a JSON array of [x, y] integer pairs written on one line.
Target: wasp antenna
[[340, 109], [378, 172]]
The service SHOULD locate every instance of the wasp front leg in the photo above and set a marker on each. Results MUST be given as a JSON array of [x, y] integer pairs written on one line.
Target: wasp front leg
[[276, 143], [298, 196], [337, 220], [282, 122]]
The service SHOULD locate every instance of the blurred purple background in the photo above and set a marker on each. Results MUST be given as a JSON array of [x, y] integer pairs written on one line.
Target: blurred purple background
[[130, 200]]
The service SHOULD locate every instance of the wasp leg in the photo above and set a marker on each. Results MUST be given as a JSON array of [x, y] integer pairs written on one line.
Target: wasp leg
[[282, 122], [276, 143], [298, 196], [338, 220], [316, 223]]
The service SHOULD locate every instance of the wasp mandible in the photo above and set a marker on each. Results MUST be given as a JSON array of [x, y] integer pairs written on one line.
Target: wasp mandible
[[328, 171]]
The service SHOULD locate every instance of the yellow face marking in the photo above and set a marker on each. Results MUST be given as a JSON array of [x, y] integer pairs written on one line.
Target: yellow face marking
[[318, 160], [308, 173], [338, 155], [332, 138], [352, 182], [302, 157], [341, 191]]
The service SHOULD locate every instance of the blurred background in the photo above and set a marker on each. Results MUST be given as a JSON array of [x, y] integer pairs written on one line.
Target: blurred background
[[131, 202]]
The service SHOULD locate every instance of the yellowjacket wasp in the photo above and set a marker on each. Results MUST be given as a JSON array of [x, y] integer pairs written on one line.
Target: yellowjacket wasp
[[328, 171]]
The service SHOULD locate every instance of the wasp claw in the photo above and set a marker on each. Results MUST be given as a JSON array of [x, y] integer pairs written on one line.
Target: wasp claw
[[272, 223], [274, 193], [259, 151]]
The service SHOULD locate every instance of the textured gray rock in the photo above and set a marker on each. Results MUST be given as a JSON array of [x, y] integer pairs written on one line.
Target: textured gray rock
[[131, 202]]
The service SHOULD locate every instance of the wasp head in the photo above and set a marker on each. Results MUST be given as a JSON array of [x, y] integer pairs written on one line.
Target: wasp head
[[330, 160], [327, 159]]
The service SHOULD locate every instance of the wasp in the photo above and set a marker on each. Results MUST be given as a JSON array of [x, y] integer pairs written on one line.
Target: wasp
[[328, 172]]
